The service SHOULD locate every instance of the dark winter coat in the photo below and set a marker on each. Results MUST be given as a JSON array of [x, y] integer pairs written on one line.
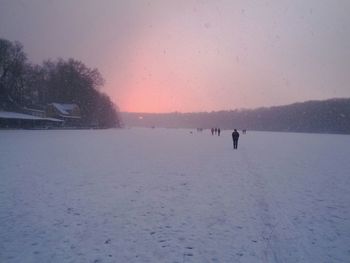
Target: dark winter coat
[[235, 135]]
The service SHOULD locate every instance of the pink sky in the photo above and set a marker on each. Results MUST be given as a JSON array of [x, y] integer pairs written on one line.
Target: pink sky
[[165, 56]]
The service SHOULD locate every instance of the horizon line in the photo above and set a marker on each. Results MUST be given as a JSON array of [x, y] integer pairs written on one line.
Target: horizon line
[[237, 109]]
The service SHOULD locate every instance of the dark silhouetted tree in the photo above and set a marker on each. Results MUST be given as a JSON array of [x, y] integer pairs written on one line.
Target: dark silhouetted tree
[[72, 82], [12, 67], [63, 81]]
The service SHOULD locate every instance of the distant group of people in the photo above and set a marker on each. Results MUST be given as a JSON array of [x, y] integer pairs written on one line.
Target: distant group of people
[[215, 131]]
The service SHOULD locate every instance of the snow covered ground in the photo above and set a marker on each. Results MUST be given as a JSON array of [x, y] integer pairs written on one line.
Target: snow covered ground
[[163, 195]]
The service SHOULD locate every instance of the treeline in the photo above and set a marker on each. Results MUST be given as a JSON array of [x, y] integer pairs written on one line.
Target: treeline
[[328, 116], [24, 84]]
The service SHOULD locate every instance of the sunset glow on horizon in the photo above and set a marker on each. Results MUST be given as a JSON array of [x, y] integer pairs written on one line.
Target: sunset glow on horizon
[[191, 56]]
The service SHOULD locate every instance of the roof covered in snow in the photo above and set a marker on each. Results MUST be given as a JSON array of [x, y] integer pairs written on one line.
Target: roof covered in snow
[[16, 115], [22, 116], [64, 108]]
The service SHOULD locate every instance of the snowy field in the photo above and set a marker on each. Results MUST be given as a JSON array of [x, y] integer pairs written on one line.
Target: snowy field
[[162, 195]]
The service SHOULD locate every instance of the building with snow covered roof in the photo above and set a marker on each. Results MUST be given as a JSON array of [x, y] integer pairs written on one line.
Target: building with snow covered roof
[[69, 113], [20, 120]]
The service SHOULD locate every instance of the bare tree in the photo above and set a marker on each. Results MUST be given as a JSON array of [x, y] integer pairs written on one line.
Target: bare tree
[[12, 67]]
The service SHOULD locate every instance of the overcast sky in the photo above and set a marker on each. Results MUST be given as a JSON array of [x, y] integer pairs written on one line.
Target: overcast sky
[[187, 55]]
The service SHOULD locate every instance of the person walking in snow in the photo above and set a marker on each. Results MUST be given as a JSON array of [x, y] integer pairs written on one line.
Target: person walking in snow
[[235, 136], [219, 131]]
